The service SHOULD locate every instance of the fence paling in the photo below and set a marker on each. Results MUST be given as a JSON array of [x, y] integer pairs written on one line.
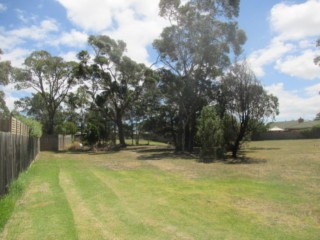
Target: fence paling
[[16, 154]]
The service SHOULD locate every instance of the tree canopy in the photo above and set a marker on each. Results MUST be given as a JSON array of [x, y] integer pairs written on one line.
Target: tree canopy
[[199, 93], [5, 70], [245, 102], [194, 50], [51, 77]]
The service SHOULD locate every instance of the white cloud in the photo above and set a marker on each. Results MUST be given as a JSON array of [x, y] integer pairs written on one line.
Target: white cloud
[[3, 7], [35, 32], [313, 91], [8, 41], [12, 94], [16, 56], [260, 58], [301, 66], [134, 21], [292, 49], [69, 56], [73, 38], [12, 41], [292, 106], [91, 15], [296, 21]]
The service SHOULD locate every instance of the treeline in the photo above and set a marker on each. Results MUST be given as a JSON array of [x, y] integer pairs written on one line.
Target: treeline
[[193, 95]]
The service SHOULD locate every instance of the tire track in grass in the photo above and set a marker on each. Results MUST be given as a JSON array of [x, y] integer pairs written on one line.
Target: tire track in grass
[[43, 211], [106, 207], [88, 225], [140, 200]]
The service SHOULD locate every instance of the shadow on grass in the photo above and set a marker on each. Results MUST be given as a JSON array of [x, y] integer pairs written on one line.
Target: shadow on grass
[[163, 154], [245, 160], [261, 149]]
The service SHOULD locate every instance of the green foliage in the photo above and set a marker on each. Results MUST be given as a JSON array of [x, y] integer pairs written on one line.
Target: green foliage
[[67, 128], [92, 134], [5, 70], [120, 78], [52, 78], [312, 133], [4, 111], [195, 49], [257, 128], [8, 201], [35, 128], [210, 133], [246, 102]]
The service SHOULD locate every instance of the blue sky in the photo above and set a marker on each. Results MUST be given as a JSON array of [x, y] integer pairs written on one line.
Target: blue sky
[[280, 46]]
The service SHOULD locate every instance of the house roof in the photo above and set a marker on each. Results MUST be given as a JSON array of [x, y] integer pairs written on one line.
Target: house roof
[[276, 129], [294, 125]]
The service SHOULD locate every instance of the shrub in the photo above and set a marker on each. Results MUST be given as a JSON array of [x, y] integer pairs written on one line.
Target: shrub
[[211, 136], [35, 128]]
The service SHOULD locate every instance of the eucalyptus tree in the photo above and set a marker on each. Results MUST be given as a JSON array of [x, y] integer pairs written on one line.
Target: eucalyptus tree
[[77, 104], [5, 70], [49, 76], [247, 103], [4, 111], [34, 107], [195, 49], [117, 81]]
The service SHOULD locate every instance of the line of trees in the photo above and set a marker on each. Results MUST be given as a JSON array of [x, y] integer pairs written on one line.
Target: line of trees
[[200, 94]]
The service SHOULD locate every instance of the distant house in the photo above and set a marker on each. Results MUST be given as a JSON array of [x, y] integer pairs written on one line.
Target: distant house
[[290, 130], [292, 126]]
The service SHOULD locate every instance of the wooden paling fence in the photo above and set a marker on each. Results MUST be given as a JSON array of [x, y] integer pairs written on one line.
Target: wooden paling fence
[[55, 142], [16, 154], [14, 126]]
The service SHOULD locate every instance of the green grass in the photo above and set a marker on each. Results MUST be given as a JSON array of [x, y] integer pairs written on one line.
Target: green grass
[[151, 193], [7, 202], [128, 141]]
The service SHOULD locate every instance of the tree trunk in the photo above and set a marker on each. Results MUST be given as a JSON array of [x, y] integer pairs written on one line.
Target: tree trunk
[[50, 129], [187, 137], [120, 129], [236, 146], [193, 130]]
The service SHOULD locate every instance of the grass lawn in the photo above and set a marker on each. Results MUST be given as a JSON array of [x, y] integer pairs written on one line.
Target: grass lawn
[[150, 193]]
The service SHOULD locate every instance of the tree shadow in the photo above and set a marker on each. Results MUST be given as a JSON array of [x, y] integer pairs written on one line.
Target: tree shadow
[[244, 160], [162, 154], [261, 149]]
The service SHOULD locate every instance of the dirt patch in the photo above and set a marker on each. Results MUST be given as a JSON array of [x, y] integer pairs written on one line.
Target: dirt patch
[[269, 213]]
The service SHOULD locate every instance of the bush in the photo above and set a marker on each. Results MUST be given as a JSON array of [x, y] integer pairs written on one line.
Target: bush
[[35, 128], [211, 135], [92, 135], [314, 132]]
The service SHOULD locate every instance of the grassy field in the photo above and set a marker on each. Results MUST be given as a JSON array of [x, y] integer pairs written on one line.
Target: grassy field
[[150, 193]]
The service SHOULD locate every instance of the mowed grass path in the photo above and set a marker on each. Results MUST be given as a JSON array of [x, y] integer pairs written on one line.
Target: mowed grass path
[[150, 193]]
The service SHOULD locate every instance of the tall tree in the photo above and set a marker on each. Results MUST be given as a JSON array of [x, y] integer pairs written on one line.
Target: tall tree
[[195, 49], [118, 77], [35, 107], [5, 70], [247, 103], [51, 77]]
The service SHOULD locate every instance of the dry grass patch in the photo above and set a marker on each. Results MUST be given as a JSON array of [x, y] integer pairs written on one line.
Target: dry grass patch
[[152, 193]]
